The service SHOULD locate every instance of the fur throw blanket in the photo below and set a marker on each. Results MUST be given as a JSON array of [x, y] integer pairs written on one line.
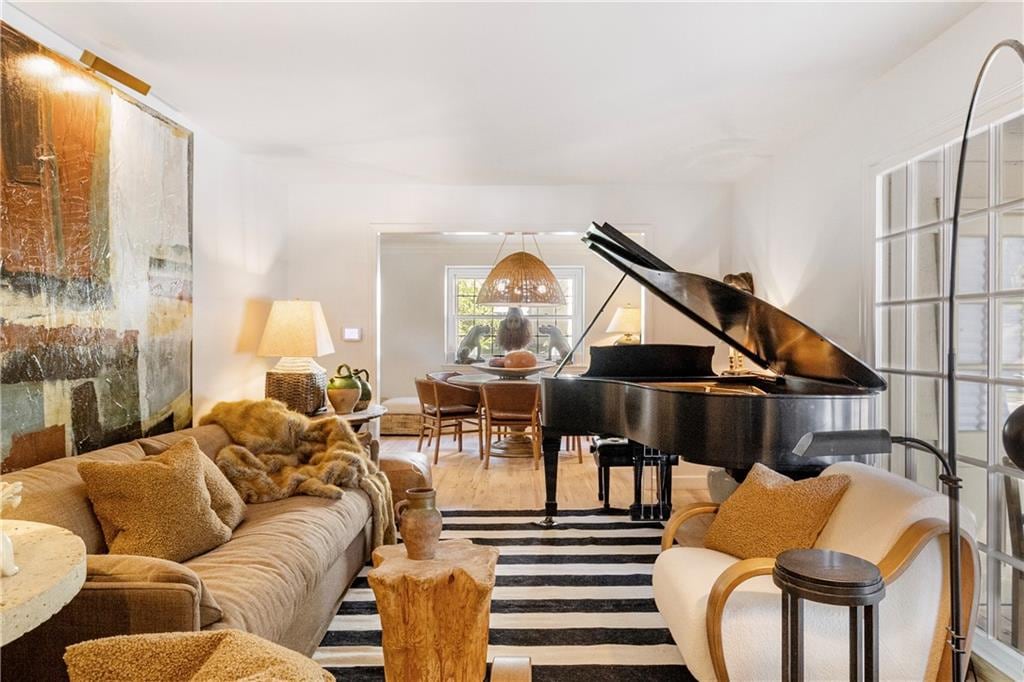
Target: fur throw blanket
[[280, 453]]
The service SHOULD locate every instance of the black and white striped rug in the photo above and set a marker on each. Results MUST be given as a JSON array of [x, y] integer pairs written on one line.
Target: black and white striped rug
[[577, 600]]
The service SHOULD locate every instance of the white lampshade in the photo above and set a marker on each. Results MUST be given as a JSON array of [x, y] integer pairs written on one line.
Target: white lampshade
[[296, 329], [625, 321]]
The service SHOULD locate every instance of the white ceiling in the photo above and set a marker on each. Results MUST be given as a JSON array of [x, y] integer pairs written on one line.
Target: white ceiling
[[484, 93]]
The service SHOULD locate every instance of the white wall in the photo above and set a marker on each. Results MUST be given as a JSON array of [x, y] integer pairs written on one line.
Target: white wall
[[332, 243], [238, 222], [804, 220]]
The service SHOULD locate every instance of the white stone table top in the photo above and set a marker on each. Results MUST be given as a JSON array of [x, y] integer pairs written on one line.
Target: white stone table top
[[52, 563]]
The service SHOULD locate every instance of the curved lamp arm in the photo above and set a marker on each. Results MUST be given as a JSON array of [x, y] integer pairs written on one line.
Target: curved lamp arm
[[958, 639]]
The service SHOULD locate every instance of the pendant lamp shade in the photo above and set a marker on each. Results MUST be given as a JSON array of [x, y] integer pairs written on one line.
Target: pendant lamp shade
[[521, 279]]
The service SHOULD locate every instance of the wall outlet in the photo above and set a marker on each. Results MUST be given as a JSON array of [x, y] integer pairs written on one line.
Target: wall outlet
[[352, 334]]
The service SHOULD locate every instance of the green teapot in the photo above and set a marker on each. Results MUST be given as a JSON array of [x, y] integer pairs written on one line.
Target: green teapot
[[363, 377], [344, 389]]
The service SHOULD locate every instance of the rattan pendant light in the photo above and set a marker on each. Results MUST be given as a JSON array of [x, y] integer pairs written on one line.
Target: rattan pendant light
[[520, 279]]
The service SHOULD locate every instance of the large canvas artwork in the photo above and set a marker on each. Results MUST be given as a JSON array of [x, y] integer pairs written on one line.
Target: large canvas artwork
[[95, 261]]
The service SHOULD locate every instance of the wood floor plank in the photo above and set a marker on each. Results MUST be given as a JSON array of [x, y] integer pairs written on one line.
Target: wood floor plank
[[463, 483]]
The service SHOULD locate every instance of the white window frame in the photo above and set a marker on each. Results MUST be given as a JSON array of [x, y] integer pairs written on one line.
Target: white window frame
[[577, 273], [984, 376]]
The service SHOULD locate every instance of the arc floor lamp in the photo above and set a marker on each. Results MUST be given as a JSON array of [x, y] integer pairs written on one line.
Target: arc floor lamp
[[847, 443]]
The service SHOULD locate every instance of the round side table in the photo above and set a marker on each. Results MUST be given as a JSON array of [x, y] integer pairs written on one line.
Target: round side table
[[52, 571], [835, 578]]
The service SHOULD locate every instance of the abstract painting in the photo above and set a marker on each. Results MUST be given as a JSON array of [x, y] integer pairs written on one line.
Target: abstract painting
[[95, 261]]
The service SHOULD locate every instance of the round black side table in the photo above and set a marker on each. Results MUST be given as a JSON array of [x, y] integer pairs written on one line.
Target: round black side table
[[835, 578]]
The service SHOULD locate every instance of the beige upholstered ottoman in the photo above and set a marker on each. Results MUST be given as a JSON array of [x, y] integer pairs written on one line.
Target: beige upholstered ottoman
[[406, 470], [402, 418]]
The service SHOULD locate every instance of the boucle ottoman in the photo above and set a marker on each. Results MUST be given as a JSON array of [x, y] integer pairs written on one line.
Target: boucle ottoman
[[402, 418]]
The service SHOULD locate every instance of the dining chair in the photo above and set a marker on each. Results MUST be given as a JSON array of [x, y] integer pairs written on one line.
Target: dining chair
[[511, 405], [444, 406]]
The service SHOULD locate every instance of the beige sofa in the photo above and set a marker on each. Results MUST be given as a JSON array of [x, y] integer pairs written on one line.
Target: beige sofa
[[281, 576]]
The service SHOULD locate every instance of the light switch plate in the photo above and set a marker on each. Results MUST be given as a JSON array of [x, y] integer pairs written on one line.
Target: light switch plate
[[352, 334]]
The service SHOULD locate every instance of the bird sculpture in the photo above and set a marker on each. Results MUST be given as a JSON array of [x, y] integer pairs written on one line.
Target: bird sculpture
[[515, 331]]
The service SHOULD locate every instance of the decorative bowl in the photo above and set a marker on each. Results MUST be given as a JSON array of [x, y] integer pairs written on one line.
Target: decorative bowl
[[514, 372]]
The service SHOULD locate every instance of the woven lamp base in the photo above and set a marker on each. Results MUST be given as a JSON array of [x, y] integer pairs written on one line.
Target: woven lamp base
[[303, 392]]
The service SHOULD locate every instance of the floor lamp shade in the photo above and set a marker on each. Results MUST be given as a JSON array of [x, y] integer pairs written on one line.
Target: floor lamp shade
[[520, 279], [297, 332]]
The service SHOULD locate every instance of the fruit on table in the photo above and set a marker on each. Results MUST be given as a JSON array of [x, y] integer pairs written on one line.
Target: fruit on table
[[520, 359], [497, 362]]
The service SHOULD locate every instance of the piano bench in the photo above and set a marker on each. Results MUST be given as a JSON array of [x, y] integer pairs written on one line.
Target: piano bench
[[608, 453]]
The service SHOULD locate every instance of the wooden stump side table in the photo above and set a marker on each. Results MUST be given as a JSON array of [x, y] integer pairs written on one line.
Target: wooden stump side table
[[829, 577], [434, 613]]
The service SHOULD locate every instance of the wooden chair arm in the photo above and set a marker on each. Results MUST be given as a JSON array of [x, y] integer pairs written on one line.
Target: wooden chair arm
[[731, 578], [680, 517], [902, 555]]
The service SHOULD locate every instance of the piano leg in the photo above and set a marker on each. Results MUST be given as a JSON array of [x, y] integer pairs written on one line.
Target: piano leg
[[552, 443]]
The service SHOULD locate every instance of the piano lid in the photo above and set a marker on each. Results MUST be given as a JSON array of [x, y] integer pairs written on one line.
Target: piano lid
[[768, 336]]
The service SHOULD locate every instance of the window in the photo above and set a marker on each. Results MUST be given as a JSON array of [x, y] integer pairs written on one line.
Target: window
[[462, 313], [912, 256]]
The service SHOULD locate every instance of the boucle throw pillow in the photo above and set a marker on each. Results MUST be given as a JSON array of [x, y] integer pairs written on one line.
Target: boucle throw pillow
[[211, 656], [770, 513], [158, 506], [226, 502]]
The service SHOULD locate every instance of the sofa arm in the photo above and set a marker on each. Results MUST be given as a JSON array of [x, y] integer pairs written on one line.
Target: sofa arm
[[122, 595], [141, 573]]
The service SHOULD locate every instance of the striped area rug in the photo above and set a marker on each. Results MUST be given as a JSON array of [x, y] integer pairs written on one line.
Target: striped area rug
[[576, 600]]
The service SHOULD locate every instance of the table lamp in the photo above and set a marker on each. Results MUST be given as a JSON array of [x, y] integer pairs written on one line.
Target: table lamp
[[626, 321], [297, 332]]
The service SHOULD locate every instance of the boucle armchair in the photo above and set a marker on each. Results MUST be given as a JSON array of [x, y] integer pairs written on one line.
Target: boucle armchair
[[724, 613]]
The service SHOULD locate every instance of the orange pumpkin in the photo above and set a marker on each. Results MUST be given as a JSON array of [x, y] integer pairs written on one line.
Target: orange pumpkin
[[520, 359]]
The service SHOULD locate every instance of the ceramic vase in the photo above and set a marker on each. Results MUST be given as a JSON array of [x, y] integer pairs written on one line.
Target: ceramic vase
[[363, 377], [419, 522], [343, 400], [344, 390]]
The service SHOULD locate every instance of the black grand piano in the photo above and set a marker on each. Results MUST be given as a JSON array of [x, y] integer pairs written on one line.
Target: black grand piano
[[649, 395]]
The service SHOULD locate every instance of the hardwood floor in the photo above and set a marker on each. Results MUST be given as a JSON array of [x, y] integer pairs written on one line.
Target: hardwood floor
[[463, 483]]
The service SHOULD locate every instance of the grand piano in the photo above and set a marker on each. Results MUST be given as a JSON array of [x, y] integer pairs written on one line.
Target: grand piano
[[806, 382]]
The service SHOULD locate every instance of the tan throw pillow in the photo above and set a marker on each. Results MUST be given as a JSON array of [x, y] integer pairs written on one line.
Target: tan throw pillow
[[770, 513], [157, 507], [226, 502]]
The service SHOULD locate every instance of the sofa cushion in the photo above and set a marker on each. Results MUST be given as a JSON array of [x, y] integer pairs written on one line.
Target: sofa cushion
[[277, 556], [770, 513], [210, 438], [156, 507], [403, 405], [54, 493]]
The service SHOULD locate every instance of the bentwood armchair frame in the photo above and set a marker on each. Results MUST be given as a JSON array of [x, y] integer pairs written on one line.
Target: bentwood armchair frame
[[896, 561]]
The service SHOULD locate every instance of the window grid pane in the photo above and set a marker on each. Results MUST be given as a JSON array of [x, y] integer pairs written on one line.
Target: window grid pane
[[912, 250]]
